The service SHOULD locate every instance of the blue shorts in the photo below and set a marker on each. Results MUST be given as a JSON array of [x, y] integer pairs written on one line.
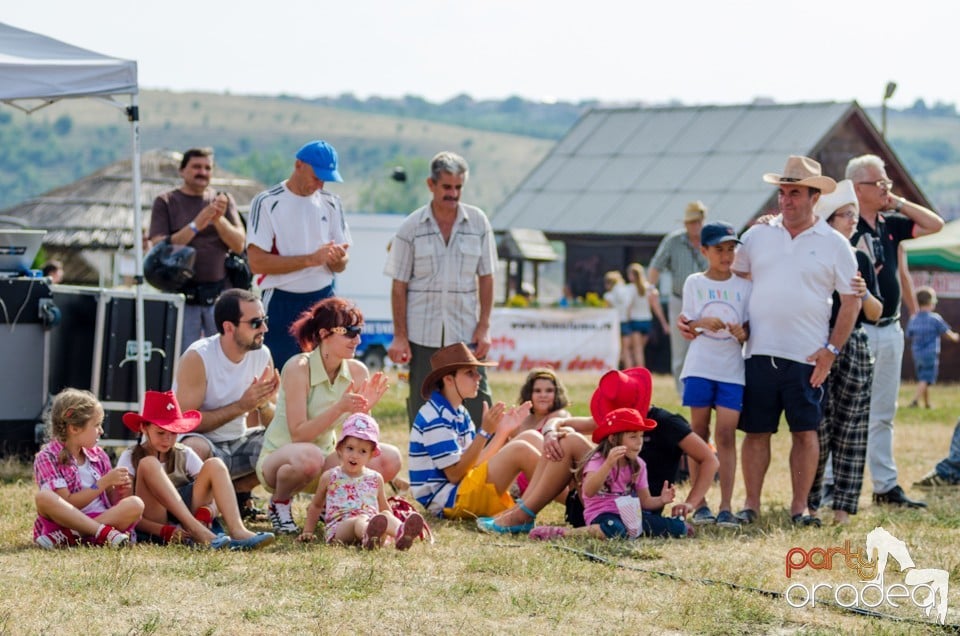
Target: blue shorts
[[642, 326], [284, 308], [701, 392], [625, 328], [927, 367], [778, 386]]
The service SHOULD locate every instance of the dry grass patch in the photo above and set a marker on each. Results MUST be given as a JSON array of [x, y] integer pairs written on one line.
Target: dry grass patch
[[470, 582]]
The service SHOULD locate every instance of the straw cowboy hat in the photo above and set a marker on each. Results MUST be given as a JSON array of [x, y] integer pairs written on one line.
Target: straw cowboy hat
[[695, 211], [162, 409], [448, 360], [802, 171], [630, 389]]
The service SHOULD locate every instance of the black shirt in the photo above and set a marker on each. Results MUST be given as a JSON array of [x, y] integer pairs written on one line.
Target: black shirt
[[881, 244], [661, 450], [866, 270]]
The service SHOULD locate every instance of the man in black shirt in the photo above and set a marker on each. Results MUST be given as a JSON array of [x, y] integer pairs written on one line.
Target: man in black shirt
[[885, 220]]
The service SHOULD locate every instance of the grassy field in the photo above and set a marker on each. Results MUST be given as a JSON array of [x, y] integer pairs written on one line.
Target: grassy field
[[470, 582]]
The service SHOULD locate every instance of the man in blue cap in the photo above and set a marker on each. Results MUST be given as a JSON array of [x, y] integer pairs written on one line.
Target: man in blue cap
[[297, 241]]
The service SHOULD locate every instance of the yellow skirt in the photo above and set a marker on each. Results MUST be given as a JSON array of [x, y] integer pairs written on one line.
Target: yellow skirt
[[478, 498]]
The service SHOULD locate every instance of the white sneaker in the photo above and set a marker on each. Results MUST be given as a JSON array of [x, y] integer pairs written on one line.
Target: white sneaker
[[281, 516]]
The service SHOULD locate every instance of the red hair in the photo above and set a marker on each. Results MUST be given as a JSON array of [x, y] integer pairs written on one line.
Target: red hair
[[326, 314]]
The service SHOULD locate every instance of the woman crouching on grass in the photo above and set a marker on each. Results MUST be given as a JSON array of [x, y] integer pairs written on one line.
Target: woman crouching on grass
[[181, 492], [81, 497]]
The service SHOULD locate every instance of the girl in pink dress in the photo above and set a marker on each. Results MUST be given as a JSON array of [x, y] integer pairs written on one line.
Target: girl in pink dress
[[351, 498]]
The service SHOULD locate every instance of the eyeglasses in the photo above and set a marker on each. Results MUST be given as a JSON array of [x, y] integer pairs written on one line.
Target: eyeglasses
[[350, 332], [883, 184], [256, 323], [848, 214]]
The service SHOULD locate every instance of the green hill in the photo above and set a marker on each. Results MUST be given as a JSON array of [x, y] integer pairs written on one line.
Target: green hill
[[257, 137], [254, 136]]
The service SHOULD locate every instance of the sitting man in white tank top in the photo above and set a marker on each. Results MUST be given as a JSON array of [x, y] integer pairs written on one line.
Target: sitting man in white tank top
[[228, 377]]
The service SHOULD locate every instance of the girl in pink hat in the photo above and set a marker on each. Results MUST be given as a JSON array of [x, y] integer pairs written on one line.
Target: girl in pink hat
[[181, 492], [351, 498], [81, 496], [612, 480]]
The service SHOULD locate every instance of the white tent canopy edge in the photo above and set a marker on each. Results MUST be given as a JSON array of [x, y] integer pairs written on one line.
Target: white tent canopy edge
[[38, 68]]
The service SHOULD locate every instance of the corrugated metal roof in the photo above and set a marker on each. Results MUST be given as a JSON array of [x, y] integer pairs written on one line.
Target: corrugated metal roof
[[632, 170]]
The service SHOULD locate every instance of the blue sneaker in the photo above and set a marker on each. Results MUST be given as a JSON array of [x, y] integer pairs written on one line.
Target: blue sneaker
[[257, 541], [726, 519], [703, 517]]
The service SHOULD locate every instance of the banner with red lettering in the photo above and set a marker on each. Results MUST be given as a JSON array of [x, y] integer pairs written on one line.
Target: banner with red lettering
[[564, 339]]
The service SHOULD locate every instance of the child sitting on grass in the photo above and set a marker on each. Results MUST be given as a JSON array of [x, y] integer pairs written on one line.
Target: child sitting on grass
[[81, 496], [351, 498], [613, 484], [181, 492]]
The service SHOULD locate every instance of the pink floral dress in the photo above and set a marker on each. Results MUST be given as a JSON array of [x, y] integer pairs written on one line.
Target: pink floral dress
[[349, 497]]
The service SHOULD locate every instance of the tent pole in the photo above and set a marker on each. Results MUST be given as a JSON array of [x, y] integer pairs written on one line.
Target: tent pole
[[133, 114]]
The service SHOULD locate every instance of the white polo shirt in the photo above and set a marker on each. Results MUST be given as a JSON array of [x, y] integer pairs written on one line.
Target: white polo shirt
[[287, 224], [793, 284]]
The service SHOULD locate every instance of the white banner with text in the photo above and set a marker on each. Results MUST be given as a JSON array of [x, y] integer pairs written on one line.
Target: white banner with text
[[563, 339]]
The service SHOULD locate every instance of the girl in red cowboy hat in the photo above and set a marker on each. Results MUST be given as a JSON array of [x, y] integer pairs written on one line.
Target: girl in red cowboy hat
[[181, 492], [80, 496], [613, 482]]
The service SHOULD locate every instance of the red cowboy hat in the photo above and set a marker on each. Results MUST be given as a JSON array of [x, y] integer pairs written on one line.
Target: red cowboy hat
[[622, 389], [162, 410], [621, 421]]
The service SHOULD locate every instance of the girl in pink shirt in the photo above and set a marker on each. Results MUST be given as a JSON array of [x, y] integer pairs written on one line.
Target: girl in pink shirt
[[613, 482], [81, 497]]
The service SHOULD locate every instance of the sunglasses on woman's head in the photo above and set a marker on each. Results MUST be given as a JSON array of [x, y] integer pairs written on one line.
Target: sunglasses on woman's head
[[351, 332]]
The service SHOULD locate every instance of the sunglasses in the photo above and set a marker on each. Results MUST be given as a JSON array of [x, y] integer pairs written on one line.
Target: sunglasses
[[883, 184], [350, 332], [256, 323]]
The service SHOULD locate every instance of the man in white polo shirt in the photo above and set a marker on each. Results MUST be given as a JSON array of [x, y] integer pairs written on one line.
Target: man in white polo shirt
[[297, 242], [795, 263]]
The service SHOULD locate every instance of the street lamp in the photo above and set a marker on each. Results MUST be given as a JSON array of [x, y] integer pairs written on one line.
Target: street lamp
[[887, 94]]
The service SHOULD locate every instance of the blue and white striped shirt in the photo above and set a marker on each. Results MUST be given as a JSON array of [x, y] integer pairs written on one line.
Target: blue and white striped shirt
[[439, 436]]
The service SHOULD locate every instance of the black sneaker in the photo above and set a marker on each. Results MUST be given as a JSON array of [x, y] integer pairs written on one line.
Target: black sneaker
[[896, 497]]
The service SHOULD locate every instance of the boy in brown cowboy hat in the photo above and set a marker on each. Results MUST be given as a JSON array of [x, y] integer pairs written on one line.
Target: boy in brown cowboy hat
[[455, 470]]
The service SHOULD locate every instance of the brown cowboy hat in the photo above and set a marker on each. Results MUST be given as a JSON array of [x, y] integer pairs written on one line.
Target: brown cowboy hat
[[802, 171], [448, 360]]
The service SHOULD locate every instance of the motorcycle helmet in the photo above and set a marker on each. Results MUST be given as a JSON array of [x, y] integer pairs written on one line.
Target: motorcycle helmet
[[169, 267]]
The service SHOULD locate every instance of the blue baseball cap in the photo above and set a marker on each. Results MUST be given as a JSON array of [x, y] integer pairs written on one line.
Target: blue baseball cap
[[322, 158], [717, 232]]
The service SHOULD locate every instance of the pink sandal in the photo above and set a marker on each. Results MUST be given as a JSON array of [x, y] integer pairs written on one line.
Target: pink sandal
[[376, 528], [548, 533], [409, 530]]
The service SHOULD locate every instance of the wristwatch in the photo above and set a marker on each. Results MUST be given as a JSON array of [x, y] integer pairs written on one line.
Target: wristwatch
[[829, 347], [193, 226], [485, 435]]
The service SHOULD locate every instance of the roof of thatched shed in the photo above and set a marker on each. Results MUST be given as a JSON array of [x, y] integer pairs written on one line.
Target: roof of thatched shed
[[97, 211]]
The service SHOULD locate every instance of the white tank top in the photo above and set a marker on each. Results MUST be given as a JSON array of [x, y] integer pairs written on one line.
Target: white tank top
[[226, 382]]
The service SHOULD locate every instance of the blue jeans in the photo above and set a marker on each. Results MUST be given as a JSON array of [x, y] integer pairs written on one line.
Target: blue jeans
[[284, 308], [949, 468], [654, 525]]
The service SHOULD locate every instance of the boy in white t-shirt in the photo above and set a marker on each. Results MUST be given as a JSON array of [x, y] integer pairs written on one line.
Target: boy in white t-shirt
[[715, 304]]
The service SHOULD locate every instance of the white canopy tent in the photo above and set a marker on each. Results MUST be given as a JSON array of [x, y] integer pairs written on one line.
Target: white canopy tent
[[36, 71]]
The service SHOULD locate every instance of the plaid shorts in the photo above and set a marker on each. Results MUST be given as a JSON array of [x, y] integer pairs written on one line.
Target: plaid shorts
[[240, 455]]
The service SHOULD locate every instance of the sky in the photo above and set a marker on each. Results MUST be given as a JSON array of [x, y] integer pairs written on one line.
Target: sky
[[693, 51]]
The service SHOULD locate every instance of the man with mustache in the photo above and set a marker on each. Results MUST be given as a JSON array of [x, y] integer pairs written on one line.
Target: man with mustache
[[196, 215], [442, 262]]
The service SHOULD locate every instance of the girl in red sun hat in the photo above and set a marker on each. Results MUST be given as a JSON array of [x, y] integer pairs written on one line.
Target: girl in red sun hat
[[612, 480]]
